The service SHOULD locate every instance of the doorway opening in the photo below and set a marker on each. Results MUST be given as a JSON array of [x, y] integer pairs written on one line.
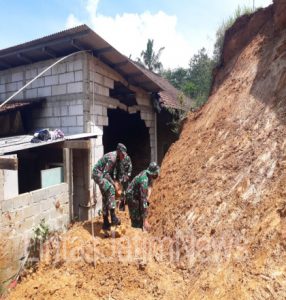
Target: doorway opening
[[130, 130]]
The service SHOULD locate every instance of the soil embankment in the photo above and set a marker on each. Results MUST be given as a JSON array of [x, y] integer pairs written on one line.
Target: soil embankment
[[218, 211]]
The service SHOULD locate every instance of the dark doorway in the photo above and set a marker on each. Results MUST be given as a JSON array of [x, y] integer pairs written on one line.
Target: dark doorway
[[130, 130]]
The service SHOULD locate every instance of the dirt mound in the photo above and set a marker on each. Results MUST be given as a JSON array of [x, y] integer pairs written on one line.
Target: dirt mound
[[222, 190], [127, 266]]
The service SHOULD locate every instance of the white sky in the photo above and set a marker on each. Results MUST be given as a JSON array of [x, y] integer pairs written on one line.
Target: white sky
[[129, 32]]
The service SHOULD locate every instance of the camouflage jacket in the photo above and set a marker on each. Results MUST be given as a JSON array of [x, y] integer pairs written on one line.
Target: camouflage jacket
[[123, 170], [137, 192], [106, 165]]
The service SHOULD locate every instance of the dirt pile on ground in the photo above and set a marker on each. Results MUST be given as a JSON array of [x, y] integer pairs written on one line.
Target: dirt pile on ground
[[127, 266], [222, 188]]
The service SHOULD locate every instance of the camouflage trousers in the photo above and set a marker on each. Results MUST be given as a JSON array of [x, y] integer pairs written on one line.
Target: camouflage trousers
[[135, 214], [107, 191]]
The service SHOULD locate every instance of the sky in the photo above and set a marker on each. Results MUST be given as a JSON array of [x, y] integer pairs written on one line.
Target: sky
[[182, 27]]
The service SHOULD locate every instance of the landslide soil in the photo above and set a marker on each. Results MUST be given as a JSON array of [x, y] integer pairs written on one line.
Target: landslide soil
[[222, 188], [221, 196], [128, 265]]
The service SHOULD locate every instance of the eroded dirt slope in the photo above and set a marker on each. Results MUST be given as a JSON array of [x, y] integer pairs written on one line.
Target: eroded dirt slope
[[222, 189]]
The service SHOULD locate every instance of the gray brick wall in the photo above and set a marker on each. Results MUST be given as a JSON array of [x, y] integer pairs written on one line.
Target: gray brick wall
[[62, 86], [20, 214]]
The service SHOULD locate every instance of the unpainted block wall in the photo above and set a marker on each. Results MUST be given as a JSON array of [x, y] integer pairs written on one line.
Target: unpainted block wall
[[62, 86], [21, 214], [101, 79]]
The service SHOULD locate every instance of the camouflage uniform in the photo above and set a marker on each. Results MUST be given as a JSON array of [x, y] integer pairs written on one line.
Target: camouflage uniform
[[122, 174], [102, 174], [136, 196]]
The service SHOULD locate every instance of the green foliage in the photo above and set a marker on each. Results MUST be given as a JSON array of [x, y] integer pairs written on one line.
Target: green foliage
[[41, 233], [2, 289], [177, 77], [200, 75], [194, 81], [220, 34], [178, 116], [150, 59]]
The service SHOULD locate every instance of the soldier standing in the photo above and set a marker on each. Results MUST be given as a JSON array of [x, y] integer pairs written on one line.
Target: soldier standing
[[137, 194], [123, 174], [103, 175]]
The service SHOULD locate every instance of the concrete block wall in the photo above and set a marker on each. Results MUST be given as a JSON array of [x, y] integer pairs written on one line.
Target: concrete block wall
[[62, 86], [21, 214], [148, 116]]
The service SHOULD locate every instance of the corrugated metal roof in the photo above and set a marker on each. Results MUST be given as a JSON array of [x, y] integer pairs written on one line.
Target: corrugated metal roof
[[170, 96], [22, 142], [70, 41]]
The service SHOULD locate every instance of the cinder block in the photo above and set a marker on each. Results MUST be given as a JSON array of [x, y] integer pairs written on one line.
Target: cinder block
[[59, 69], [98, 78], [56, 111], [53, 122], [66, 77], [17, 76], [102, 121], [78, 76], [47, 73], [101, 90], [30, 74], [45, 91], [39, 82], [108, 83], [51, 80], [32, 93], [21, 201], [78, 65], [7, 205], [75, 110], [59, 89], [30, 211], [96, 109], [104, 111], [2, 88], [76, 87], [11, 87], [64, 110], [75, 129], [79, 120], [68, 121]]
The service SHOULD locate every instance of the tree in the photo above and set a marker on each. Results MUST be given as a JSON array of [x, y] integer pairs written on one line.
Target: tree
[[200, 77], [150, 59], [177, 77]]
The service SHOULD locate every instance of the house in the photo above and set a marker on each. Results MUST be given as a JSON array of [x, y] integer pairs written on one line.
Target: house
[[98, 97]]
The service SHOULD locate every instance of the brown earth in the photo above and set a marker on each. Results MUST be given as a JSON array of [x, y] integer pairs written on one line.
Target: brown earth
[[222, 187], [218, 210], [127, 266]]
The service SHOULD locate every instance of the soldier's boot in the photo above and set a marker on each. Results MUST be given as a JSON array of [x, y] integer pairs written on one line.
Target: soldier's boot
[[114, 220], [106, 225]]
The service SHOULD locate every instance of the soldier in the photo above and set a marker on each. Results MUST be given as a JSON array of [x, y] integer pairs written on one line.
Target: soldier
[[102, 173], [123, 173], [137, 194]]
